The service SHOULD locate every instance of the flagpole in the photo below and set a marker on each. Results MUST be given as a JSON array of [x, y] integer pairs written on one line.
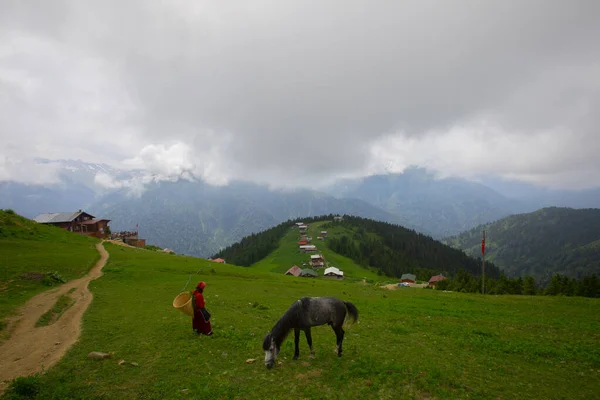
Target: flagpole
[[483, 262]]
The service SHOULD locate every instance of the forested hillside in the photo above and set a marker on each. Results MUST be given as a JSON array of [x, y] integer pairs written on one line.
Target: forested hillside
[[396, 250], [391, 249], [543, 243]]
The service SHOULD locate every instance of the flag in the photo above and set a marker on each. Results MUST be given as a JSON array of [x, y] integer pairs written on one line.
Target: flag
[[483, 243]]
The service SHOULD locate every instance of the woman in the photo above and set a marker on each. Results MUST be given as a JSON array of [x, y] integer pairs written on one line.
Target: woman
[[200, 322]]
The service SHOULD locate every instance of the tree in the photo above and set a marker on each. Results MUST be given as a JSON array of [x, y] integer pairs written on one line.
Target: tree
[[529, 286]]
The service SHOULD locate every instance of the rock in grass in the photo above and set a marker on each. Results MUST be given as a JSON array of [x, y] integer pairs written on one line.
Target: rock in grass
[[98, 355], [133, 364], [250, 360]]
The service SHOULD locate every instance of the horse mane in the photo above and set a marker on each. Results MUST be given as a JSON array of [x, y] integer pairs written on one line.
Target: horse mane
[[285, 324]]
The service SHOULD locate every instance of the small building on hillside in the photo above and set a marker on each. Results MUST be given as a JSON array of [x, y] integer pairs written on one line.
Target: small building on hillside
[[295, 271], [435, 279], [302, 242], [323, 233], [333, 272], [410, 278], [308, 248], [338, 218], [78, 222], [317, 261], [299, 223], [218, 260], [309, 273]]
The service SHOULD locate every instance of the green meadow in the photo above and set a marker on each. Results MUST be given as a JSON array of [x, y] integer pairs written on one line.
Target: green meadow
[[408, 344], [29, 252]]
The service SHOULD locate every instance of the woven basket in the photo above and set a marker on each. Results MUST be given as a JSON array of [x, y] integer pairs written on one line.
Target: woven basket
[[183, 302]]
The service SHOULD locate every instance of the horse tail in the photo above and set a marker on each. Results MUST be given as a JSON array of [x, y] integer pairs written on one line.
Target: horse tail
[[352, 310]]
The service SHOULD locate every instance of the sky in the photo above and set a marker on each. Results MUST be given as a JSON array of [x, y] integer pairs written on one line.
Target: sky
[[299, 93]]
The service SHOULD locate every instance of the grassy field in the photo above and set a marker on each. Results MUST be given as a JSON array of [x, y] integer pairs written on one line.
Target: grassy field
[[29, 251], [288, 254], [409, 343]]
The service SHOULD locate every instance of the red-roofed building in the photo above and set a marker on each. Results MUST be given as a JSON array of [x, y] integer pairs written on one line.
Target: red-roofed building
[[218, 260], [435, 279], [295, 271]]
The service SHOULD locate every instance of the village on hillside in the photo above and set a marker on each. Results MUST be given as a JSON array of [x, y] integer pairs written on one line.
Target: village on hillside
[[316, 262]]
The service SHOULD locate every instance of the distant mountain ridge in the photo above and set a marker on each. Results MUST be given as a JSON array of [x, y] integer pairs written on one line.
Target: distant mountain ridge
[[439, 207], [415, 199], [198, 219], [542, 243]]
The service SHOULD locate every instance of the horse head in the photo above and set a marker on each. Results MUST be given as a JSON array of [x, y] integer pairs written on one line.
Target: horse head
[[271, 350]]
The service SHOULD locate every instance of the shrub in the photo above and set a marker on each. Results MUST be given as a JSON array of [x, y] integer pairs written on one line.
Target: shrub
[[24, 387]]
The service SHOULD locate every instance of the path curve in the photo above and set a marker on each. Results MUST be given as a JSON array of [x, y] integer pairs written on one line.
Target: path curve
[[29, 349]]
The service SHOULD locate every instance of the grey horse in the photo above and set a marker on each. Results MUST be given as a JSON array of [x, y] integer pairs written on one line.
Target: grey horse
[[301, 316]]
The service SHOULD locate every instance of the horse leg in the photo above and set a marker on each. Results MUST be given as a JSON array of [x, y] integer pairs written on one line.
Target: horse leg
[[309, 341], [296, 343], [339, 334]]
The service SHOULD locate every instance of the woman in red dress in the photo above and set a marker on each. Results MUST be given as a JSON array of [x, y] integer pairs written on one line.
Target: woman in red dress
[[200, 322]]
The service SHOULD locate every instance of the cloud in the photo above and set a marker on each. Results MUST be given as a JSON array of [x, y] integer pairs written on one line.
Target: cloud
[[481, 149], [27, 172], [299, 92]]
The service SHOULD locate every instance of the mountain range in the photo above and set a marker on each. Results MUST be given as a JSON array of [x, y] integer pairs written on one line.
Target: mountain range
[[553, 240], [195, 218]]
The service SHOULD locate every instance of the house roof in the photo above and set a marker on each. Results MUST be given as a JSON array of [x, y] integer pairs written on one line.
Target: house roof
[[436, 278], [333, 270], [408, 276], [308, 271], [295, 270], [316, 256], [53, 218], [219, 260]]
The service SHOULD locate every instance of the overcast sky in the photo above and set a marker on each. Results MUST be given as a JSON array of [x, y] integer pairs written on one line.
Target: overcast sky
[[298, 92]]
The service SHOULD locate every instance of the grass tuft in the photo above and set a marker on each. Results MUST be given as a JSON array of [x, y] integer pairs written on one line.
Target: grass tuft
[[63, 303]]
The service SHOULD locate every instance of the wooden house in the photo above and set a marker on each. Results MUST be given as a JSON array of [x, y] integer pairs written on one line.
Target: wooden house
[[308, 248], [435, 279], [309, 273], [295, 271], [333, 272], [317, 261], [78, 222], [410, 278]]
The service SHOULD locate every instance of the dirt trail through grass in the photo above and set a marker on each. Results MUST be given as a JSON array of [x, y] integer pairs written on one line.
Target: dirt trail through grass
[[31, 349]]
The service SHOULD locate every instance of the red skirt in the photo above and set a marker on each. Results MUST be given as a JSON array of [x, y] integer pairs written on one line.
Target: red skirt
[[200, 325]]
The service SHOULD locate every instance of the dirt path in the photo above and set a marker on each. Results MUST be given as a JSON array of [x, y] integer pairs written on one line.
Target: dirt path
[[30, 349]]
